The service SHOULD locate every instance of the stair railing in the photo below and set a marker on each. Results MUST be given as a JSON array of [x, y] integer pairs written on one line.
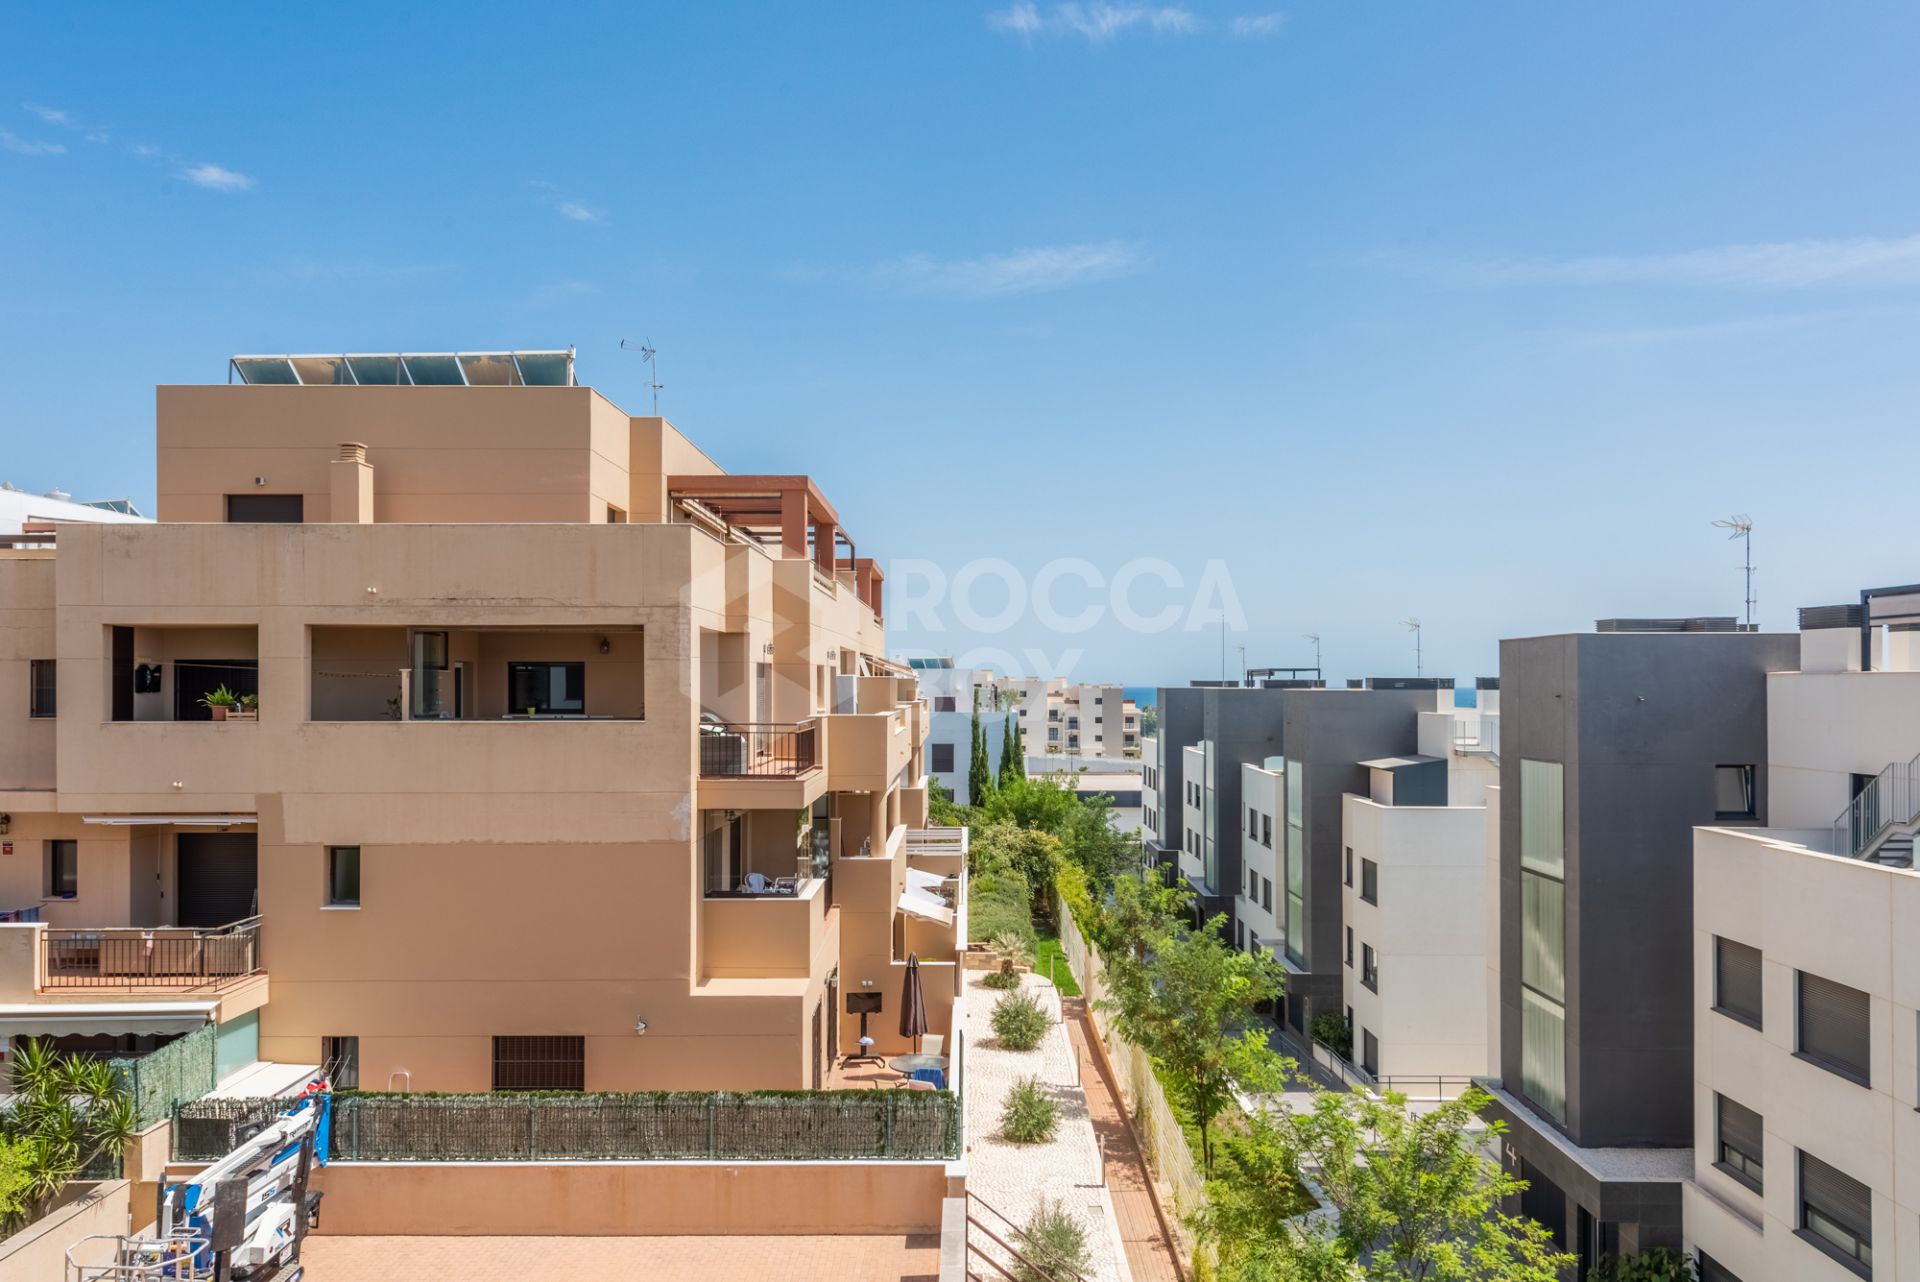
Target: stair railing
[[1890, 800]]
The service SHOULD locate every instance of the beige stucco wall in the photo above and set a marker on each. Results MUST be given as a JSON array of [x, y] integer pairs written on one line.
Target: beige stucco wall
[[26, 633], [512, 1198], [38, 1253]]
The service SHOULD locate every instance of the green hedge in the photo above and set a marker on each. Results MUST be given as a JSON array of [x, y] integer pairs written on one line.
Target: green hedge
[[999, 903], [540, 1126]]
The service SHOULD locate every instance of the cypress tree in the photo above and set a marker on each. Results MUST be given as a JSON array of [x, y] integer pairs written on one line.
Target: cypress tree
[[979, 774], [1012, 767]]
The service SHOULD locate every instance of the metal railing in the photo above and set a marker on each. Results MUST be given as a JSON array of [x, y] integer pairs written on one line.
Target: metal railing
[[759, 751], [1891, 800], [132, 956], [1477, 734], [1426, 1086]]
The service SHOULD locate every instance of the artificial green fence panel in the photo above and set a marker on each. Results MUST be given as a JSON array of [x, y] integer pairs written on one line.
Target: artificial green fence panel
[[181, 1071], [639, 1126]]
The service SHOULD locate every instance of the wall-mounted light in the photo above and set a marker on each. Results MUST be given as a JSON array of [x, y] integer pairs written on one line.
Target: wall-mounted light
[[178, 784], [373, 591], [6, 823], [866, 983], [259, 480], [639, 1027], [767, 648], [606, 646]]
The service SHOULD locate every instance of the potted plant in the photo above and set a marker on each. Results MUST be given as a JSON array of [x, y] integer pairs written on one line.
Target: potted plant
[[220, 701], [248, 709]]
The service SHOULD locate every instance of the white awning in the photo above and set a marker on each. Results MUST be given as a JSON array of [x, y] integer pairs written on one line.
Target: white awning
[[923, 879], [58, 1019], [924, 903], [179, 821]]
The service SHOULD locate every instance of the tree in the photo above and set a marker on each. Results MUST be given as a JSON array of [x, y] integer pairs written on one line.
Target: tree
[[1413, 1198], [67, 1110], [1012, 766], [1031, 852], [1138, 912], [1188, 1001], [979, 774]]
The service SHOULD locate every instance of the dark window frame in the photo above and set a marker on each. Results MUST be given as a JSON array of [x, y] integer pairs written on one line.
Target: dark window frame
[[63, 868], [1749, 785], [265, 509], [539, 1063], [343, 861], [1349, 865], [1266, 894], [542, 706], [340, 1061], [43, 688], [1824, 1241], [937, 749], [1370, 968], [1731, 1155], [1861, 1072], [1370, 882], [1266, 831], [1349, 945], [1725, 1003]]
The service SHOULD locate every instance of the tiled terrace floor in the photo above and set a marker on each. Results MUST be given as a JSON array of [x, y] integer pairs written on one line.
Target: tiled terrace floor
[[630, 1259]]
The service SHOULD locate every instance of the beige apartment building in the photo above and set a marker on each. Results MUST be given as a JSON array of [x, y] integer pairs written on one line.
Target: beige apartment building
[[560, 757], [1063, 718]]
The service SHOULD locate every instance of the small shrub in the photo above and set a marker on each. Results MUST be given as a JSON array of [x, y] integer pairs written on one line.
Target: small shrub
[[1019, 1022], [1656, 1264], [1003, 980], [1330, 1029], [1054, 1241], [1029, 1115], [1015, 948]]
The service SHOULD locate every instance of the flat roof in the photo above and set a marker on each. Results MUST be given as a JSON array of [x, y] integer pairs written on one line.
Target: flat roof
[[1396, 763], [523, 368]]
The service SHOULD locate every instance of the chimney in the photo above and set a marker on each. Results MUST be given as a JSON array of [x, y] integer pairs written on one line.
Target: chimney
[[352, 485], [1830, 638]]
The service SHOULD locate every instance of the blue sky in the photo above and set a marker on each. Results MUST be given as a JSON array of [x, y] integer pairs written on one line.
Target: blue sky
[[1478, 313]]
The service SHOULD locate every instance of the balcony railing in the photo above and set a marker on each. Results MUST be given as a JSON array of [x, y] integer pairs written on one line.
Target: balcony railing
[[1891, 800], [130, 956], [759, 751]]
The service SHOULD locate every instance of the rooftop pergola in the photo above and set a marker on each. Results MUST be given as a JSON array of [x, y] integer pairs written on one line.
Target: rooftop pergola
[[788, 511]]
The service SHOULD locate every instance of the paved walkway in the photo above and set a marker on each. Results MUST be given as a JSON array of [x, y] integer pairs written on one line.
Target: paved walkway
[[629, 1259], [1149, 1257]]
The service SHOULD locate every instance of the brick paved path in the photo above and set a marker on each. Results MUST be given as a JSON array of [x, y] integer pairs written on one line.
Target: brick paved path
[[622, 1259]]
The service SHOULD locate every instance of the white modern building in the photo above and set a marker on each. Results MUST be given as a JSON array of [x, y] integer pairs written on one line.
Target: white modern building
[[949, 693], [1263, 831], [1416, 899], [21, 512], [1150, 784], [1806, 1159], [1066, 719]]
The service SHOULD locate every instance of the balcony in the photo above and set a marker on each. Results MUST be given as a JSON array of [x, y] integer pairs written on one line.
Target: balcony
[[165, 958], [781, 934], [758, 767]]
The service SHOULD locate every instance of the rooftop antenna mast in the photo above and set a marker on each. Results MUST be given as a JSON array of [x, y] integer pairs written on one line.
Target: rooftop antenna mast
[[1315, 638], [1741, 527], [1413, 626], [648, 354], [1242, 651]]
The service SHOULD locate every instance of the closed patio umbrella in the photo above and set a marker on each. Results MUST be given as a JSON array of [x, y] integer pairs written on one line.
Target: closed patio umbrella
[[913, 1003]]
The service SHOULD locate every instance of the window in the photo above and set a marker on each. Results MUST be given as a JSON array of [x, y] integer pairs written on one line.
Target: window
[[1266, 894], [1253, 825], [1349, 945], [539, 1063], [343, 876], [1294, 871], [1239, 934], [1369, 967], [1370, 881], [1053, 734], [340, 1061], [265, 509], [1253, 885], [1835, 1027], [1836, 1213], [42, 688], [1266, 831], [1369, 1052], [1733, 792], [1349, 865], [1739, 1147], [1712, 1270], [1543, 953], [63, 869], [1736, 980], [945, 703], [546, 689], [943, 758]]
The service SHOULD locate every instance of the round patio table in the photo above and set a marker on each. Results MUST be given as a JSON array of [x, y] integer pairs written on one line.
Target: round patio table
[[906, 1064]]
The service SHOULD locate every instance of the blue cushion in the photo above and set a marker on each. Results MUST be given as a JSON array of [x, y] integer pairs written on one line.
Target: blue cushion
[[936, 1076]]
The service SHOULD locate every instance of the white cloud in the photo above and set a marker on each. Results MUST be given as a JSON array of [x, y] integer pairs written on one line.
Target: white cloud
[[1251, 26], [1020, 271], [99, 135], [216, 178], [579, 213], [1797, 264], [51, 115], [574, 211], [1097, 23], [28, 147]]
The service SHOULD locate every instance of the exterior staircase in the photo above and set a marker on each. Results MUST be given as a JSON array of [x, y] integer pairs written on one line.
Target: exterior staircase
[[1881, 823]]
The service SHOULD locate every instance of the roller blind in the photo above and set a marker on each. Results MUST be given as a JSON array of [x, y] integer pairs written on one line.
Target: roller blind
[[1837, 1207], [1835, 1026], [1736, 970]]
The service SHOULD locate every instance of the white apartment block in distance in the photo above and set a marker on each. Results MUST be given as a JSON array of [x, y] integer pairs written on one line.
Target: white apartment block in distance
[[1806, 1159], [1062, 718], [949, 693]]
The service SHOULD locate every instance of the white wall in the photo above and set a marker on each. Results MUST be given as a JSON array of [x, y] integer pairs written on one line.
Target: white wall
[[1264, 792], [1429, 931], [1857, 924], [1823, 727]]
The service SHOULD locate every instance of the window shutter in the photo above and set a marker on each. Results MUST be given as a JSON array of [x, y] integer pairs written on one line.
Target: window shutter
[[1837, 1195], [1737, 979], [1835, 1025]]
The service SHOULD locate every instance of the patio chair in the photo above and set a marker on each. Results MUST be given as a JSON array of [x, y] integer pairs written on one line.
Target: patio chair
[[914, 1084], [933, 1044], [932, 1078], [756, 884]]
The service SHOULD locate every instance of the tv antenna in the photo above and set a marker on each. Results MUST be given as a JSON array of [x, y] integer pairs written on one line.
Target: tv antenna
[[1413, 626], [648, 354], [1742, 528], [1242, 651], [1315, 638]]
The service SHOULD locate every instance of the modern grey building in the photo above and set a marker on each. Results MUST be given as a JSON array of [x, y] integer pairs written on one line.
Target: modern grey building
[[1614, 745], [1318, 737]]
